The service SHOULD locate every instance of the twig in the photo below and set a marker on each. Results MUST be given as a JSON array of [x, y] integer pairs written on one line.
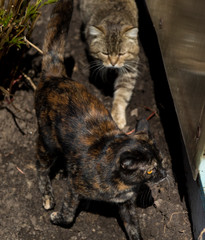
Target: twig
[[14, 118], [130, 132], [201, 234], [154, 113], [185, 212], [5, 92], [174, 213], [30, 81], [20, 170], [32, 45], [150, 116]]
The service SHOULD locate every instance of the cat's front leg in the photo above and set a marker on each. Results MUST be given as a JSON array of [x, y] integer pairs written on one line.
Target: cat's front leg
[[67, 213], [124, 86], [129, 217]]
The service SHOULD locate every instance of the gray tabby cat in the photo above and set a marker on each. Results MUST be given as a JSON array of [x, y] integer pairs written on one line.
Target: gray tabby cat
[[111, 31]]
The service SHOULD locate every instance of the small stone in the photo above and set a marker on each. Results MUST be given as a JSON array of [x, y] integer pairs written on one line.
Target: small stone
[[134, 112], [158, 203], [28, 196]]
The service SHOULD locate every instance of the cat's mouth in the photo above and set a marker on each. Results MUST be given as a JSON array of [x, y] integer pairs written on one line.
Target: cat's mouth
[[157, 181], [122, 197], [115, 67]]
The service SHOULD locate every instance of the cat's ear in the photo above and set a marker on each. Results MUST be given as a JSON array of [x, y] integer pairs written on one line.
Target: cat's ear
[[132, 33], [95, 31], [142, 125], [128, 162], [142, 130]]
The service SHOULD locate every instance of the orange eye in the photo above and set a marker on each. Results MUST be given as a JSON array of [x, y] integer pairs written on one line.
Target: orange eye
[[149, 172]]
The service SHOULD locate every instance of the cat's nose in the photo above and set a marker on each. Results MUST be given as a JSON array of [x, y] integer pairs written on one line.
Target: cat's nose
[[113, 60]]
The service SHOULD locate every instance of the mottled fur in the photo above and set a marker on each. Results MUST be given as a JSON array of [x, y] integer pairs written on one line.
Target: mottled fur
[[102, 162], [111, 30]]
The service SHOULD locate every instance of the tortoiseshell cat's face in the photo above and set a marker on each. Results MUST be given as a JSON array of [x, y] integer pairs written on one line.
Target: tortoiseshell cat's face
[[115, 47], [142, 165], [138, 162]]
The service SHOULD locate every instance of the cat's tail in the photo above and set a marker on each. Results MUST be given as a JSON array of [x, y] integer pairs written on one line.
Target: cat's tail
[[55, 39]]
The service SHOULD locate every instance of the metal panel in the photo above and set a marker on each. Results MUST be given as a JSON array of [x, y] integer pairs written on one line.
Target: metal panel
[[180, 27]]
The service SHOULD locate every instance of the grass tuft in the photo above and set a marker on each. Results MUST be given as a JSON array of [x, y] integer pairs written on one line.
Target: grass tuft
[[17, 20]]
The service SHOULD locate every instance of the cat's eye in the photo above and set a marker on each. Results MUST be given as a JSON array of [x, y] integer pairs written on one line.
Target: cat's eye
[[153, 170], [105, 53], [122, 53]]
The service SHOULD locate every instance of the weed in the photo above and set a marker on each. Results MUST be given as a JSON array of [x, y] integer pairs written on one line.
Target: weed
[[17, 19]]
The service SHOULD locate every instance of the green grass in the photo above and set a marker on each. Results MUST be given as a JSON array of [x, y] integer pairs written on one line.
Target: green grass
[[17, 20]]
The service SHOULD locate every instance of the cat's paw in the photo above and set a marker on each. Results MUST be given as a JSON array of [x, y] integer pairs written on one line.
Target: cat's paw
[[57, 218], [119, 118], [48, 202]]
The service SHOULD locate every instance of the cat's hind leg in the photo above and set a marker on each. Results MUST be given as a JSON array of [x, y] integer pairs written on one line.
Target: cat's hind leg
[[68, 210], [44, 163]]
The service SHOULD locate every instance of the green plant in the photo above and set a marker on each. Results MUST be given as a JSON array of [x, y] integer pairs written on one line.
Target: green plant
[[17, 19]]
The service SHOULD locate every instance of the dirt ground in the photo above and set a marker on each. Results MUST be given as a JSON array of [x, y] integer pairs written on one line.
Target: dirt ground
[[21, 214]]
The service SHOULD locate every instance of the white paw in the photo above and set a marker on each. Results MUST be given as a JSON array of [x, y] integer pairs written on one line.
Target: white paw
[[54, 215], [48, 202]]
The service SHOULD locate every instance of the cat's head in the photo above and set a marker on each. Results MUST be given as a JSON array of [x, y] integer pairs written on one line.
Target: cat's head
[[140, 161], [115, 46]]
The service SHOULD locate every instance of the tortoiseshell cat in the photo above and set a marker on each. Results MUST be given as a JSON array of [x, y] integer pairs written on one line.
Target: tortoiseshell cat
[[111, 30], [102, 162]]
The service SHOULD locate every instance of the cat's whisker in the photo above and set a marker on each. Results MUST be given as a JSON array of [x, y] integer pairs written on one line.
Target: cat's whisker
[[95, 64], [99, 69], [168, 181], [139, 72], [130, 68], [94, 73], [135, 63], [125, 70], [133, 66], [104, 73], [145, 195], [85, 66], [96, 61], [121, 70]]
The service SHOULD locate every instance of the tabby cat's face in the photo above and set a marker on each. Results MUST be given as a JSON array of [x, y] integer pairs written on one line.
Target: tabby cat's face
[[115, 47]]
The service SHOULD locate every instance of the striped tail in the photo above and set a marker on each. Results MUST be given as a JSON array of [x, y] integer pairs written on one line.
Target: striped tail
[[55, 39]]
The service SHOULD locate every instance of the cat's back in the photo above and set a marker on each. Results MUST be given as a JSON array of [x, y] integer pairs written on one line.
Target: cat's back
[[95, 11], [66, 110], [67, 97]]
